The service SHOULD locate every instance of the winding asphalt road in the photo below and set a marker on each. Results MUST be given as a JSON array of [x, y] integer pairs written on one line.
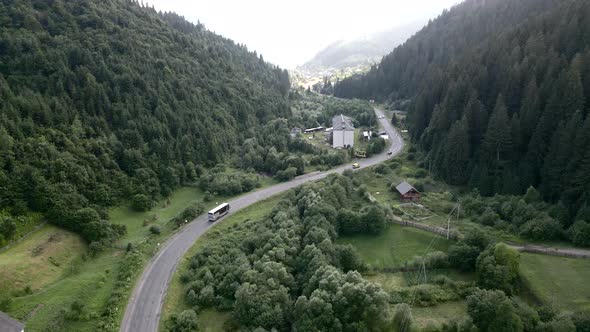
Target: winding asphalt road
[[145, 304]]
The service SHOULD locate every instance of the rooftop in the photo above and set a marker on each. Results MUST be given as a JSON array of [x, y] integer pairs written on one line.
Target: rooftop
[[404, 188], [342, 122], [8, 324]]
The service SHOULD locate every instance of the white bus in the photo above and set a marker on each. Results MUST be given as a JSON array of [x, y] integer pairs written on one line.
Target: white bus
[[219, 212]]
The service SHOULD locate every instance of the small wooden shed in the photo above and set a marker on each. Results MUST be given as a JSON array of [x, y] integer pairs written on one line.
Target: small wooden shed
[[407, 192]]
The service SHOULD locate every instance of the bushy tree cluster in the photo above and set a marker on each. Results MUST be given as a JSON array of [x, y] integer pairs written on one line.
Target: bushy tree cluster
[[7, 227], [528, 216], [312, 110], [463, 255], [432, 291], [371, 220], [500, 97], [104, 100], [492, 310], [286, 273], [227, 182], [497, 268]]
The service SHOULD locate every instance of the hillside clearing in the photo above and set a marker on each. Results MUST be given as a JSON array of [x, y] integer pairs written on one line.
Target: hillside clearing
[[40, 259], [395, 246], [562, 282]]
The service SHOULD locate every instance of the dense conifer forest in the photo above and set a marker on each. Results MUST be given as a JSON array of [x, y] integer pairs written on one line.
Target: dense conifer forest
[[499, 96], [105, 100]]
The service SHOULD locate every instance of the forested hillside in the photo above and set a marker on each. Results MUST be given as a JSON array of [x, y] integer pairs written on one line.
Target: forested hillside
[[500, 95], [104, 100]]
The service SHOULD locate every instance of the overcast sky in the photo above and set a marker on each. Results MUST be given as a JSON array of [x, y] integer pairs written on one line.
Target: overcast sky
[[290, 32]]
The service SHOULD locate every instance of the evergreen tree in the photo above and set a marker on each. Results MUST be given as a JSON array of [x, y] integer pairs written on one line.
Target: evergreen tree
[[457, 153], [497, 142]]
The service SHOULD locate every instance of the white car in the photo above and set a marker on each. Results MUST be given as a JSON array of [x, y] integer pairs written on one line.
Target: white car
[[380, 116]]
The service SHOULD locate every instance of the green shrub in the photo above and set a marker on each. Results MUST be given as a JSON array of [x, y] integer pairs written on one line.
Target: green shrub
[[580, 234], [381, 169], [402, 318], [463, 256], [141, 203], [542, 229], [419, 185], [155, 229], [5, 302], [420, 173], [286, 174], [348, 173]]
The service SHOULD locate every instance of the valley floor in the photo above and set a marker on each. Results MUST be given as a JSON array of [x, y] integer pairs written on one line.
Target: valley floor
[[560, 282]]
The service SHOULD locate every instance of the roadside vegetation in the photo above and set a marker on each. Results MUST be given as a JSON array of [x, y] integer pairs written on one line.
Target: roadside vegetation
[[444, 283], [55, 280]]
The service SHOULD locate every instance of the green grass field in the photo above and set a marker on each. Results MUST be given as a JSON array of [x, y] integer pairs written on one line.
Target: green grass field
[[39, 260], [210, 320], [395, 246], [562, 282]]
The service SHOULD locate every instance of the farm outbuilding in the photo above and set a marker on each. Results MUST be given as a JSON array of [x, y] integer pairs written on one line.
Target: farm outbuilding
[[8, 324], [343, 132], [407, 192]]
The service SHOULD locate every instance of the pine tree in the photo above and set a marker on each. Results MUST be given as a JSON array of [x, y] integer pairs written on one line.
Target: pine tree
[[497, 143], [530, 109], [457, 153], [559, 154], [572, 98], [517, 138], [477, 118]]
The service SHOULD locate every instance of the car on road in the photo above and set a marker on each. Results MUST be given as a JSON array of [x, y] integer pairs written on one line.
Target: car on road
[[381, 116], [355, 166]]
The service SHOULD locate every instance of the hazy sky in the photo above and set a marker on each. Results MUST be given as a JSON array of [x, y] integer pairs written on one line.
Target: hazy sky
[[290, 32]]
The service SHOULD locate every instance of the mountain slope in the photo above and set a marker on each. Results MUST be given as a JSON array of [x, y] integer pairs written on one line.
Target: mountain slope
[[363, 51], [500, 93], [103, 100]]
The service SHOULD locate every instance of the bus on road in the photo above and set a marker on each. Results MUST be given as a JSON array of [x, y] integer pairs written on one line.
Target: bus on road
[[218, 212]]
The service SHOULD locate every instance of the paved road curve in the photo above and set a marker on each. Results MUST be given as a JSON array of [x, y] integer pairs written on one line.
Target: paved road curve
[[145, 305]]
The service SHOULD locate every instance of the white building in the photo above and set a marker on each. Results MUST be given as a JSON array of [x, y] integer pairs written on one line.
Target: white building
[[343, 132]]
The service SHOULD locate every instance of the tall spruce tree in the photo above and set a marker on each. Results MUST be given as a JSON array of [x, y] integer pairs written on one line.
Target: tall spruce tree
[[497, 142], [457, 152]]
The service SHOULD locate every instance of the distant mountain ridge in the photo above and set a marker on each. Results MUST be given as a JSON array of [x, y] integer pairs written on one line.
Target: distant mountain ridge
[[362, 51]]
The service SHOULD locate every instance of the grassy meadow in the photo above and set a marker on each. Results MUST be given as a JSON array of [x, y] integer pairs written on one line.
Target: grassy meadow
[[395, 246], [559, 281]]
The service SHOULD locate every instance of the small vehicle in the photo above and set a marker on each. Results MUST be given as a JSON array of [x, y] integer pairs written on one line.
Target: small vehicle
[[355, 166], [218, 212], [389, 153]]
